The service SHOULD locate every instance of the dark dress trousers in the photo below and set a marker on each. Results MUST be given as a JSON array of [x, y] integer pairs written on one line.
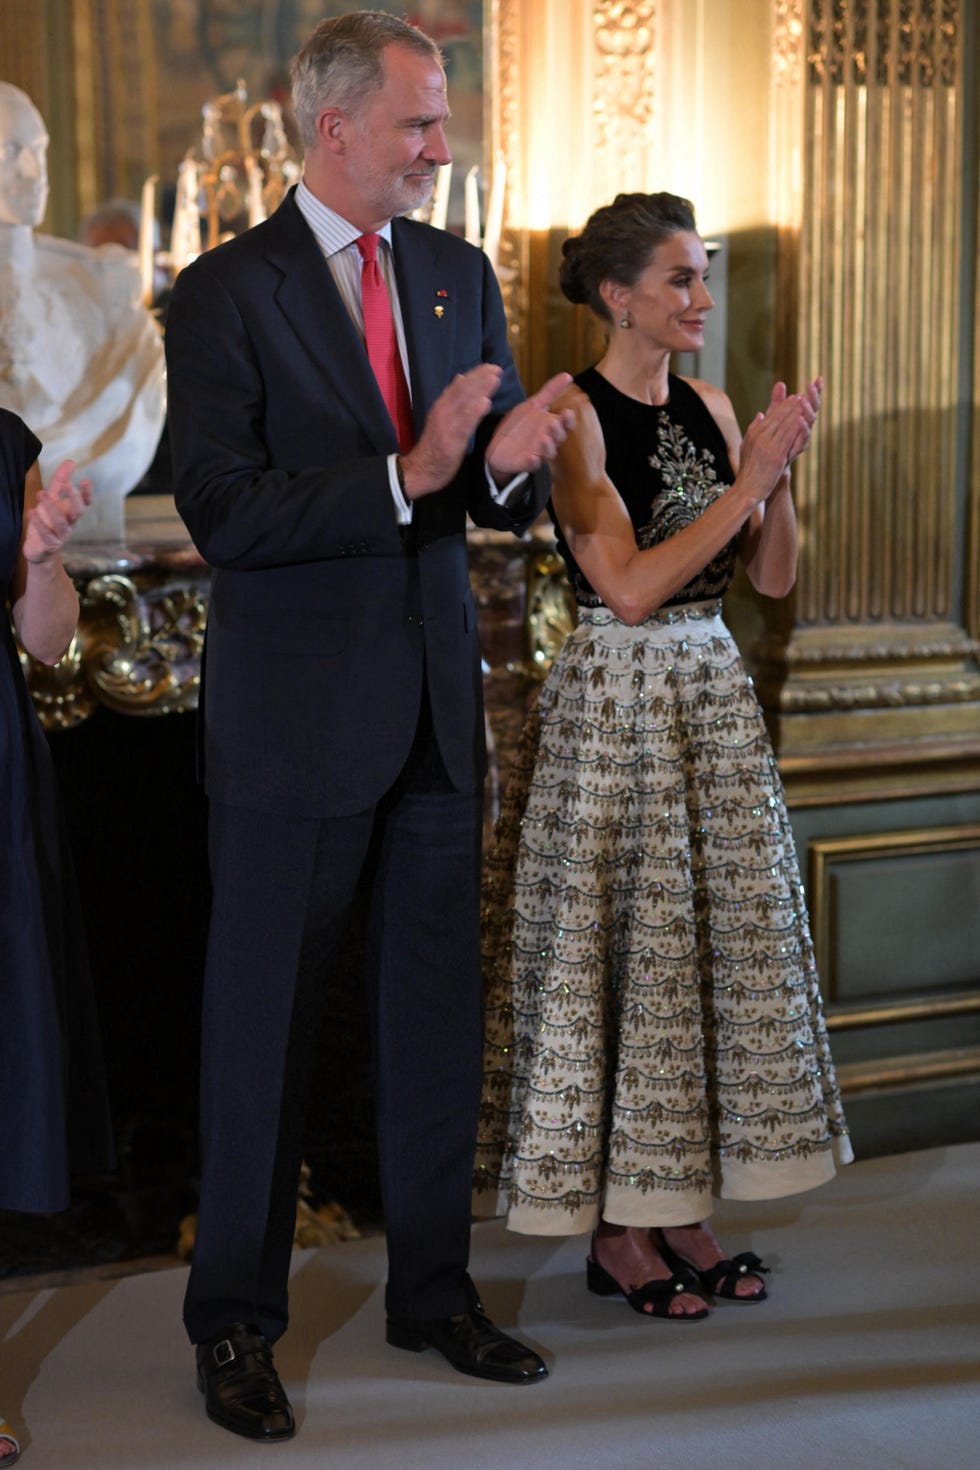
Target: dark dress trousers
[[342, 735]]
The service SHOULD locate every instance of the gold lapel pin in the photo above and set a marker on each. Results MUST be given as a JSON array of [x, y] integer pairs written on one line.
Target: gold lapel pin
[[439, 310]]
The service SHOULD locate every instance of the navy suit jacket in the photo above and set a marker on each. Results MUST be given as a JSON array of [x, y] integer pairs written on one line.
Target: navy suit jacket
[[325, 615]]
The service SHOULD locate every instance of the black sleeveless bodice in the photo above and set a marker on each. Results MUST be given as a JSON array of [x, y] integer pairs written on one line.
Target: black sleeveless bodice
[[669, 462]]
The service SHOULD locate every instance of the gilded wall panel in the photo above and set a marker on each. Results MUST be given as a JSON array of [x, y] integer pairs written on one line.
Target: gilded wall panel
[[873, 124]]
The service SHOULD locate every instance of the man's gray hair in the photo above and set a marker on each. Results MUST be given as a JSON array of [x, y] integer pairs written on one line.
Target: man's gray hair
[[341, 63]]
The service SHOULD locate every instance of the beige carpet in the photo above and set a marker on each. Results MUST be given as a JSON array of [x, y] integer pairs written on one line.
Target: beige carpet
[[867, 1355]]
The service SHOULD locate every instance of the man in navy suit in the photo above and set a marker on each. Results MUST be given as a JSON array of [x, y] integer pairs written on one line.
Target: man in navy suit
[[343, 725]]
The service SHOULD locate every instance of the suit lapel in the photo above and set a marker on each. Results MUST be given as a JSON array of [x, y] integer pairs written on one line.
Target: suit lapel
[[308, 298], [421, 291], [314, 310]]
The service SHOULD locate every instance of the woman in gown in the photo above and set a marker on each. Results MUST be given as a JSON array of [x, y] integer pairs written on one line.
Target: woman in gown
[[54, 1116], [654, 1028]]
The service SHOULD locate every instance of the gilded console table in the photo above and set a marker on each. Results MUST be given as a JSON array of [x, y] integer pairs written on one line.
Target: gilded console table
[[141, 627], [144, 608]]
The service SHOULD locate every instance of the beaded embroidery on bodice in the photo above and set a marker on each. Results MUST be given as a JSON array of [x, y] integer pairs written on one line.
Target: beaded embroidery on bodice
[[669, 462]]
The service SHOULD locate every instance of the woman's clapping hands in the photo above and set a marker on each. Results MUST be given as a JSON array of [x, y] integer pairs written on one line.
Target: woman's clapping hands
[[778, 436], [55, 513]]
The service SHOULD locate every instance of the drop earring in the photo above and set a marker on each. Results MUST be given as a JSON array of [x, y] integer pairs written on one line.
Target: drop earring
[[624, 321]]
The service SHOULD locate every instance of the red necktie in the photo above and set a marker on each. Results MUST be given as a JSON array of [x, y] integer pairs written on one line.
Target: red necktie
[[382, 344]]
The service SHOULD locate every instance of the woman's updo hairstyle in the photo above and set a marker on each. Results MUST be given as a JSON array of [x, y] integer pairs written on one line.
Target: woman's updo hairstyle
[[617, 244]]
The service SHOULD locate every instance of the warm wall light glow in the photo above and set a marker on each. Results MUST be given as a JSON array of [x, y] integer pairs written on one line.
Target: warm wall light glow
[[550, 130], [440, 196], [656, 94], [586, 110], [495, 211], [471, 203], [185, 232], [148, 200], [537, 211]]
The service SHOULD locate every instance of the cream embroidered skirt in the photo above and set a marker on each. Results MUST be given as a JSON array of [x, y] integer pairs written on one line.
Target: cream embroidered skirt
[[654, 1027]]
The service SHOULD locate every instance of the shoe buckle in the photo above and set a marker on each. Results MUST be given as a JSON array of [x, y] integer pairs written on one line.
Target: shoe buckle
[[224, 1353]]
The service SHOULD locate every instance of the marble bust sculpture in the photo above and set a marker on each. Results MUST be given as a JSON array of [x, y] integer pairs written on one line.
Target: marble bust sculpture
[[81, 359]]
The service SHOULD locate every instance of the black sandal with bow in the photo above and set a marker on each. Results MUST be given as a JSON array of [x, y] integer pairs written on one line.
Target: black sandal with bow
[[723, 1277], [654, 1298]]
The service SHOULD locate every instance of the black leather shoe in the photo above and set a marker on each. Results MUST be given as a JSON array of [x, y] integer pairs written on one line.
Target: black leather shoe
[[471, 1344], [241, 1388]]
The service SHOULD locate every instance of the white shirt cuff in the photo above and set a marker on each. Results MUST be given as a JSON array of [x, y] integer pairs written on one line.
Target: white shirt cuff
[[504, 494], [403, 507]]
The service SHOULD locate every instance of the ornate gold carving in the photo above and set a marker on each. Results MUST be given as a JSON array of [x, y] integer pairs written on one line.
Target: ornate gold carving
[[788, 42], [137, 651], [582, 72], [827, 42], [60, 693], [873, 647], [911, 43], [550, 615], [868, 666], [881, 694], [623, 104]]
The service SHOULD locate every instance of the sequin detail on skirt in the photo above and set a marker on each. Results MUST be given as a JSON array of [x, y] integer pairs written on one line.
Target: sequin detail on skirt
[[654, 1027]]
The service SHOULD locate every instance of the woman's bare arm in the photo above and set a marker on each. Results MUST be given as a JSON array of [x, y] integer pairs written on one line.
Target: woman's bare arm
[[596, 524], [44, 602]]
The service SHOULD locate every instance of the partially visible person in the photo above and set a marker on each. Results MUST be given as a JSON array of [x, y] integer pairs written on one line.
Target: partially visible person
[[654, 1026], [54, 1115], [118, 221], [113, 222]]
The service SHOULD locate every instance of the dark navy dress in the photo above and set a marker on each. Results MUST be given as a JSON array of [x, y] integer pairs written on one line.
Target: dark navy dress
[[54, 1116]]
